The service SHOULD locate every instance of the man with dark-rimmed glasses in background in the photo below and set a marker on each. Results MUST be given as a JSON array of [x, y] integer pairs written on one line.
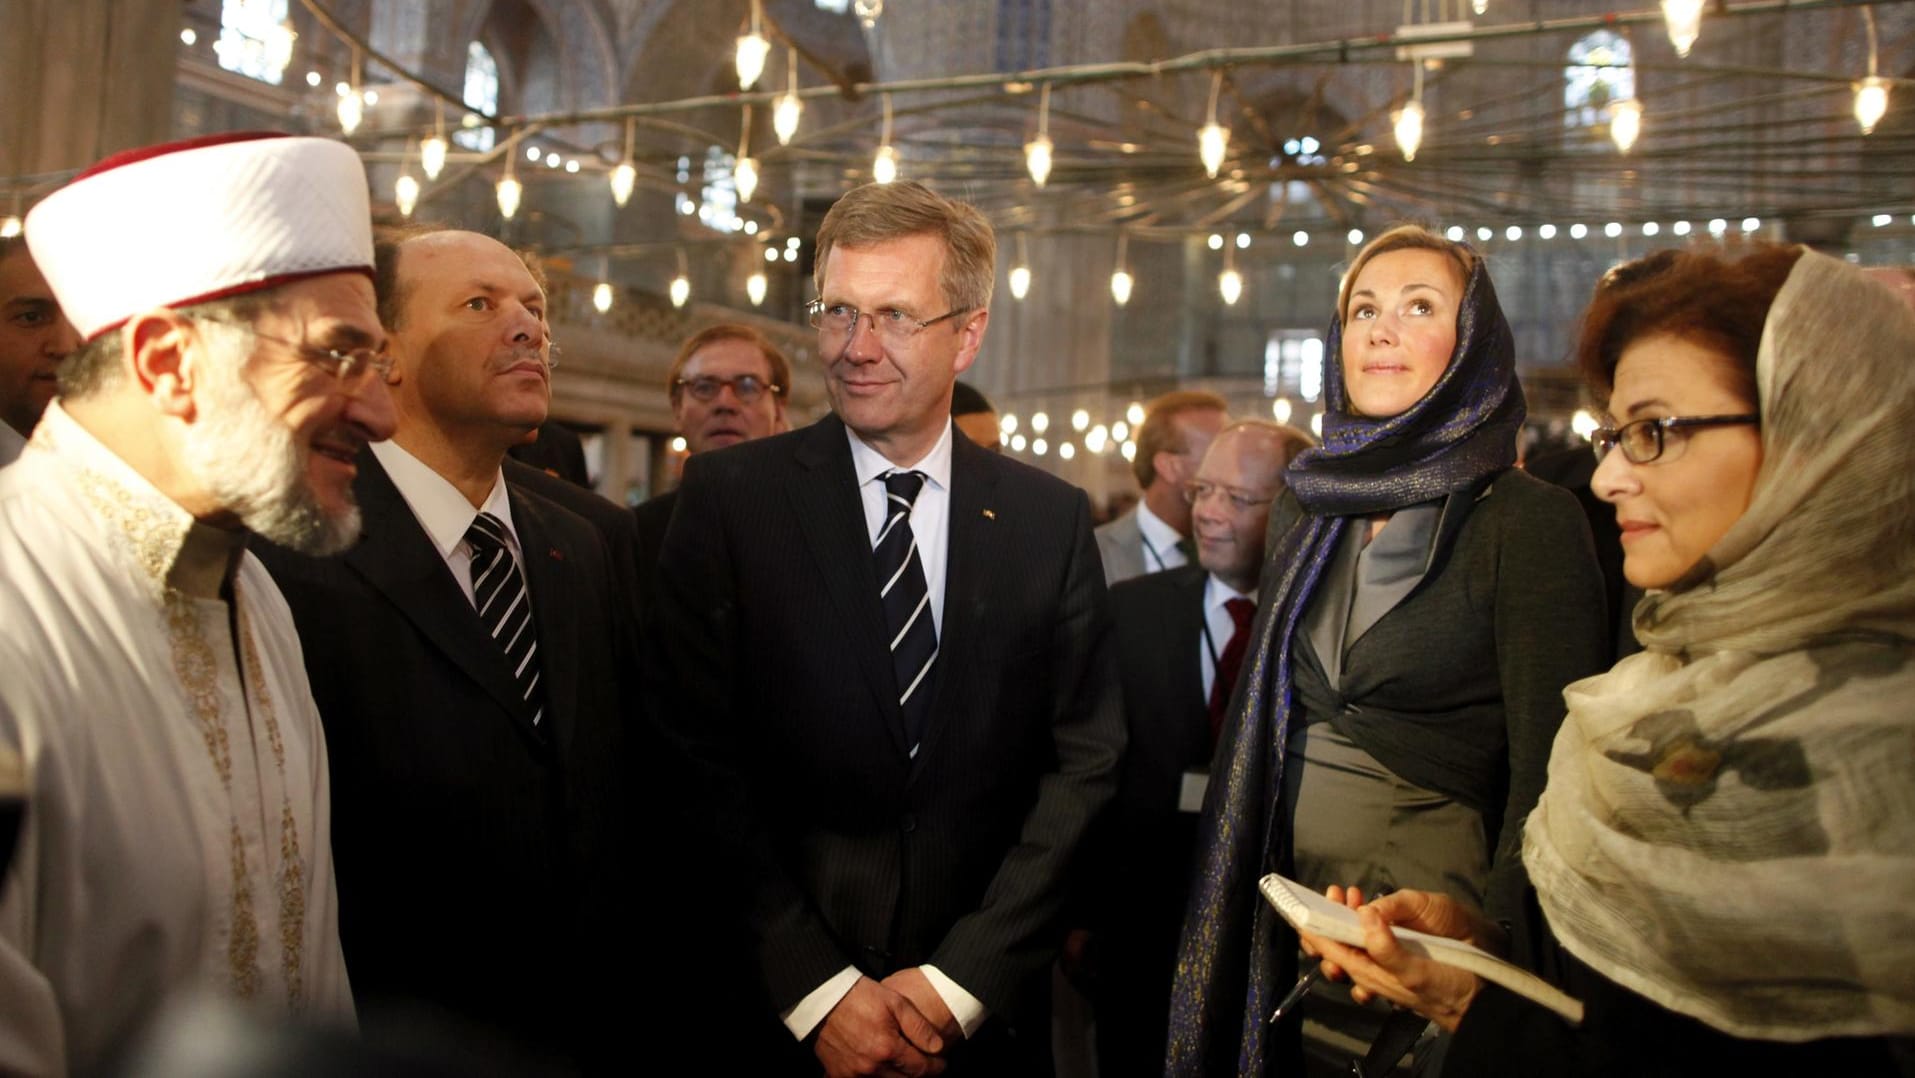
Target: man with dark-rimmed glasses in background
[[728, 384]]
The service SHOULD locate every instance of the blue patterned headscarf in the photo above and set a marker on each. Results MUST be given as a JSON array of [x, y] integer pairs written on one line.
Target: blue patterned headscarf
[[1458, 437]]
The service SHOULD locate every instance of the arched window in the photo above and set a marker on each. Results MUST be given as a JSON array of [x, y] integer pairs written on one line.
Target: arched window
[[255, 38], [1600, 71], [481, 94]]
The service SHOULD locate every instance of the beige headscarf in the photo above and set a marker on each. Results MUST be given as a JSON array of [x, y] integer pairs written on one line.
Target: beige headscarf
[[1729, 823]]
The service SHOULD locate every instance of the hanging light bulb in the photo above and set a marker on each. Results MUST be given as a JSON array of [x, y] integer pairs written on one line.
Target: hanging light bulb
[[352, 106], [884, 168], [1020, 281], [752, 50], [1280, 409], [1230, 285], [1625, 122], [1684, 18], [744, 169], [1213, 139], [1037, 152], [1409, 120], [755, 288], [1229, 282], [1120, 279], [432, 150], [682, 282], [625, 176], [785, 114], [405, 192], [11, 226], [745, 174], [868, 11], [1481, 7], [510, 190], [602, 297], [1871, 94], [1871, 102]]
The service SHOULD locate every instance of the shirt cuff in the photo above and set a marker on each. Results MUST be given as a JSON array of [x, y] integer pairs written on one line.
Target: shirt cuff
[[804, 1017], [969, 1010]]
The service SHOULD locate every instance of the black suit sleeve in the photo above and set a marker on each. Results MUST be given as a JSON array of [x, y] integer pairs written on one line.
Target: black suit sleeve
[[1011, 936], [693, 676]]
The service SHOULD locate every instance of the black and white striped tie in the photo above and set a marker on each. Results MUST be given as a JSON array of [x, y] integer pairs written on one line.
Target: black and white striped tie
[[498, 593], [907, 603]]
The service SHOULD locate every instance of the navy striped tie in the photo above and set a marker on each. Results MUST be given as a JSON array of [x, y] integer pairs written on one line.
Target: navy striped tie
[[498, 593], [907, 603]]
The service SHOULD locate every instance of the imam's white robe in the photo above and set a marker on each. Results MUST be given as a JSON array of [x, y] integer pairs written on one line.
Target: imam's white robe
[[177, 835]]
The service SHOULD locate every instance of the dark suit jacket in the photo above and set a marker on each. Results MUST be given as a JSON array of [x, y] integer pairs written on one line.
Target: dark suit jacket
[[478, 869], [614, 523], [652, 517], [1145, 849], [773, 654]]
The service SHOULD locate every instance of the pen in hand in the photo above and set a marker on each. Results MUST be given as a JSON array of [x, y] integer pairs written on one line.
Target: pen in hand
[[1287, 1005]]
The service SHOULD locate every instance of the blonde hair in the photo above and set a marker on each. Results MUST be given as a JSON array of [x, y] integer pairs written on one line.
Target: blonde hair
[[878, 212], [1404, 238]]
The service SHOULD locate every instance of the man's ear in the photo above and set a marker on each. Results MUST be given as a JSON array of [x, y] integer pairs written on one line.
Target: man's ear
[[164, 353]]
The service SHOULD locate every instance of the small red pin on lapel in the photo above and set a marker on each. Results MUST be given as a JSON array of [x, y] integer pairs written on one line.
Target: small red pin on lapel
[[989, 515], [556, 553]]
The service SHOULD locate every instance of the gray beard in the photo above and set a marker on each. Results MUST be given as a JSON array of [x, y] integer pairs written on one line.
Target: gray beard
[[251, 464]]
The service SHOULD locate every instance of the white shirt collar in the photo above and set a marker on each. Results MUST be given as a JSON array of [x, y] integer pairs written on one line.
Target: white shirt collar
[[441, 509], [1161, 535], [1217, 593], [870, 464]]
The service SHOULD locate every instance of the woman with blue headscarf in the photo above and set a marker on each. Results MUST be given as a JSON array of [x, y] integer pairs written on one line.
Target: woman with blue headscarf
[[1423, 606]]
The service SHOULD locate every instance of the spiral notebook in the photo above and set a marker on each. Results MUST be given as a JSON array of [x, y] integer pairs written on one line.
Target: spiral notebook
[[1310, 912]]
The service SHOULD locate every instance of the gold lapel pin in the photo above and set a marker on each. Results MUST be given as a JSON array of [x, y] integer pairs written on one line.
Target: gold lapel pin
[[989, 515]]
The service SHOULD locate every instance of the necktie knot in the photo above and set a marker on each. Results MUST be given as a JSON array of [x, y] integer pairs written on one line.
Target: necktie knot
[[903, 487], [486, 535], [1241, 611]]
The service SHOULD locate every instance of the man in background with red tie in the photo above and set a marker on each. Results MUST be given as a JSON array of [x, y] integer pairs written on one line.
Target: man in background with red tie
[[1181, 640]]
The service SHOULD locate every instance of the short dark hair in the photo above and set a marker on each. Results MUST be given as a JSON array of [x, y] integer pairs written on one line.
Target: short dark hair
[[1158, 434], [966, 400], [1710, 297], [730, 331]]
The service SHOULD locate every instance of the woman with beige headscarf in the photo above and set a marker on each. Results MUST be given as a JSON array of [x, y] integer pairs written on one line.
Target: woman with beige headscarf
[[1723, 853]]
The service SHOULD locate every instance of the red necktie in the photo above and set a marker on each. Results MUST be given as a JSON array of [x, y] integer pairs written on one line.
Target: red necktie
[[1230, 663]]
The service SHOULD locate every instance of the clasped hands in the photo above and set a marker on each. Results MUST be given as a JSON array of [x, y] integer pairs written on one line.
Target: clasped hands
[[898, 1026], [1383, 967]]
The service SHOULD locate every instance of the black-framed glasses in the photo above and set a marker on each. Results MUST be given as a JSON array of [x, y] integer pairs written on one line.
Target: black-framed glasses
[[355, 369], [1241, 500], [839, 321], [1645, 439], [748, 388]]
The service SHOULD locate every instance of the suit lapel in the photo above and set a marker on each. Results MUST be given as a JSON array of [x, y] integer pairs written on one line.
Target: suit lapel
[[553, 581], [972, 546], [1186, 680], [831, 513], [397, 558]]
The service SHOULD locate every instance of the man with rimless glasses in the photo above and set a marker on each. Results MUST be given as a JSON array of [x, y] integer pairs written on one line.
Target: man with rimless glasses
[[888, 651]]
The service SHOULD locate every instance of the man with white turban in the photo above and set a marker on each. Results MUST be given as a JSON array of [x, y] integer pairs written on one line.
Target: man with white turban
[[177, 836]]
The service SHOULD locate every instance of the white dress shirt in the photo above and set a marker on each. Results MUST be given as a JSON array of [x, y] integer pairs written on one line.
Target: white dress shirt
[[1221, 627], [930, 516], [444, 512], [1160, 541]]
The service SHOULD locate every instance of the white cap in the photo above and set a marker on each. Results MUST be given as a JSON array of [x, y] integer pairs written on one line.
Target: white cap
[[188, 222]]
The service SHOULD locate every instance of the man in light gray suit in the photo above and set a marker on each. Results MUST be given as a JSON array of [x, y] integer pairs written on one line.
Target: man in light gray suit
[[1177, 428]]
